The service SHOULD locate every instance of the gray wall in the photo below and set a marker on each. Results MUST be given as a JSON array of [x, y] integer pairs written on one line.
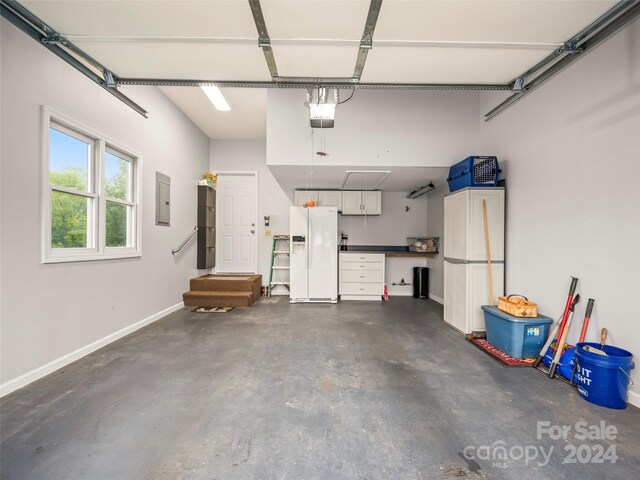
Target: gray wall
[[391, 228], [571, 154], [54, 313], [435, 228], [377, 127], [250, 155]]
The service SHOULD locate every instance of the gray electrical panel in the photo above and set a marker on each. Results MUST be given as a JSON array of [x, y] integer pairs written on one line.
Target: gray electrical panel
[[163, 199]]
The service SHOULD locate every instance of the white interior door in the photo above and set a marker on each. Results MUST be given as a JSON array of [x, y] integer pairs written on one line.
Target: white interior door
[[236, 221]]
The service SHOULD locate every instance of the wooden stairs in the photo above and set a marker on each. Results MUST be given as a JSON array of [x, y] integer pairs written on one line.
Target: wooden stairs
[[223, 290]]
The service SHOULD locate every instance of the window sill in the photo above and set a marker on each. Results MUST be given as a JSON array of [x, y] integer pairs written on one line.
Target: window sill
[[90, 257]]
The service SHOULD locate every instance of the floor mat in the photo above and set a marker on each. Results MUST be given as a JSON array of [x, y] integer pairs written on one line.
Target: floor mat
[[499, 355], [213, 309]]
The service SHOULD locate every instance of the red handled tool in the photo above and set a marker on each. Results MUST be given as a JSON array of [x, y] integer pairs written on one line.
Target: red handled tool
[[583, 332], [567, 307], [563, 338], [585, 322]]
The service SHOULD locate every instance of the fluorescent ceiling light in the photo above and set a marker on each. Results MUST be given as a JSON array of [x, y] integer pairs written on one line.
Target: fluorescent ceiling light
[[418, 192], [216, 97]]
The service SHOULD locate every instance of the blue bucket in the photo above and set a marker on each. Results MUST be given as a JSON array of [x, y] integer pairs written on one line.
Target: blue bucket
[[601, 380], [567, 360]]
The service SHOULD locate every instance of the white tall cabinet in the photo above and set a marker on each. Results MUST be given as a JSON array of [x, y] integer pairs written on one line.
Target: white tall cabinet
[[466, 279]]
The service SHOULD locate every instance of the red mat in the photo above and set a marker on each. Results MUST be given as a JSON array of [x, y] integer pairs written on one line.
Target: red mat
[[499, 355]]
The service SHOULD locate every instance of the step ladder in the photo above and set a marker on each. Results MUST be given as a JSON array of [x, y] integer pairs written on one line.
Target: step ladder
[[279, 248]]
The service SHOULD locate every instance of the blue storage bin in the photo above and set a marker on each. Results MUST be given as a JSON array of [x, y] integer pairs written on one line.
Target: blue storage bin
[[474, 172], [519, 337]]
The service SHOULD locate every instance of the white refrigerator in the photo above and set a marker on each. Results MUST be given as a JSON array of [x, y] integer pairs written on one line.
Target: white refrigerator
[[313, 254], [466, 277]]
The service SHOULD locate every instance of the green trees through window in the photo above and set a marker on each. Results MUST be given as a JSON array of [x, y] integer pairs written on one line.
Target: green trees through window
[[70, 213], [91, 194]]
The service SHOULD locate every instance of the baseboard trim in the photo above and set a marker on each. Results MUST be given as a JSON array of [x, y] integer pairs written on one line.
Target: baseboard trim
[[436, 299], [30, 377], [634, 399], [401, 294]]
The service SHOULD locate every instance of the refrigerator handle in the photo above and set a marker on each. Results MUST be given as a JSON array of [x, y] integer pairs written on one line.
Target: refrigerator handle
[[307, 241]]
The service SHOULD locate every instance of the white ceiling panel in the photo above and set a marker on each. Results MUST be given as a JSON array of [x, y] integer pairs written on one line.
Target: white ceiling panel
[[315, 19], [315, 61], [447, 65], [486, 21], [213, 18], [246, 119], [181, 60]]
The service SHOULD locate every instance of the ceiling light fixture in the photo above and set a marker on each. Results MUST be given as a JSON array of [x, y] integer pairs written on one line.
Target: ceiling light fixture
[[217, 97], [418, 192]]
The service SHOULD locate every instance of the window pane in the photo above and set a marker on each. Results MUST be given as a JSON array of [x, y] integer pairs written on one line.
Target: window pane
[[117, 174], [69, 160], [69, 220], [117, 224]]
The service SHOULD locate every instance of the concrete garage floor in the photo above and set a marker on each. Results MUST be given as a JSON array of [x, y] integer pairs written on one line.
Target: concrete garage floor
[[349, 391]]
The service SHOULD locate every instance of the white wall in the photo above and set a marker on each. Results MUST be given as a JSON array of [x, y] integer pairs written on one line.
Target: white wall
[[435, 228], [376, 127], [250, 155], [54, 313], [391, 228], [571, 155]]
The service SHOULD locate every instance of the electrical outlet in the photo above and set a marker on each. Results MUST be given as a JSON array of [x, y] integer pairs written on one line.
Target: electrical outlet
[[267, 232]]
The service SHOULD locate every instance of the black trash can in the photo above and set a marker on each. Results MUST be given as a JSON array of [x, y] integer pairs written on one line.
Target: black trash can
[[420, 282]]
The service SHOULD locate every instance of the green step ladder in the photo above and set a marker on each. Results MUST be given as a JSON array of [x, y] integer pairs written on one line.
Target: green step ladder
[[278, 247]]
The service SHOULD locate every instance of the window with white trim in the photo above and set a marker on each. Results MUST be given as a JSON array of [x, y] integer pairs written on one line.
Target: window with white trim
[[91, 194]]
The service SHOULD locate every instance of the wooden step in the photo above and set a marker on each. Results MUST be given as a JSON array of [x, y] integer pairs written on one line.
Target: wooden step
[[217, 299], [228, 283]]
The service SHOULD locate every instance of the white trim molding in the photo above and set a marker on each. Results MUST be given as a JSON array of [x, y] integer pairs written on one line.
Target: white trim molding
[[436, 299], [245, 173], [99, 143], [37, 373], [634, 398]]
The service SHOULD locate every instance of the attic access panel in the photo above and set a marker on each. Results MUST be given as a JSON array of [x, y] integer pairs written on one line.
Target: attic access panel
[[363, 179]]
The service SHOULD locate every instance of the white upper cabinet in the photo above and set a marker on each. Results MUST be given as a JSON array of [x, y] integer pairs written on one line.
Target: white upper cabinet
[[351, 203], [361, 202], [372, 202], [464, 224], [305, 196], [330, 198]]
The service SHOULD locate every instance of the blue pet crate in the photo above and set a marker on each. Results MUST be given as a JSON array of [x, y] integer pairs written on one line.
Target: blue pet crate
[[474, 172]]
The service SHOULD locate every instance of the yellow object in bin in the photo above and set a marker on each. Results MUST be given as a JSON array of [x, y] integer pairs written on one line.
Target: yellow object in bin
[[518, 306]]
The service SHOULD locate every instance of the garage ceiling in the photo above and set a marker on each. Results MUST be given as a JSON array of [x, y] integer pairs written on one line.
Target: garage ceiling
[[453, 42]]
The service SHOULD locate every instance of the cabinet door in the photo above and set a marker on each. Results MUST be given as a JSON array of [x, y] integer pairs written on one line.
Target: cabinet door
[[305, 196], [332, 198], [351, 203], [477, 249], [456, 295], [372, 203], [479, 292], [455, 225]]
